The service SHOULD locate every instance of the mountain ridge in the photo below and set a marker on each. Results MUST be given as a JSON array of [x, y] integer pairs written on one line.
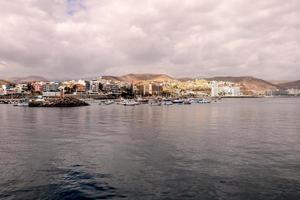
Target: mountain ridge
[[249, 84], [24, 79], [136, 78], [290, 85]]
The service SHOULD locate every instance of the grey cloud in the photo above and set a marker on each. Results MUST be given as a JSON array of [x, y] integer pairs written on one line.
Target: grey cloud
[[80, 38]]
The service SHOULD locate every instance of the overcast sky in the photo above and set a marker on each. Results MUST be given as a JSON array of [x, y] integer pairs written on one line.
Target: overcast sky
[[83, 38]]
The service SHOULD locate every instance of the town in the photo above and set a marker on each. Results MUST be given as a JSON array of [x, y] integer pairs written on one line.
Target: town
[[106, 88]]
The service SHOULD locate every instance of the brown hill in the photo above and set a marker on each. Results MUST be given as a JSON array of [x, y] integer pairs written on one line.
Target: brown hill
[[4, 82], [112, 78], [248, 83], [290, 85], [136, 78], [26, 79]]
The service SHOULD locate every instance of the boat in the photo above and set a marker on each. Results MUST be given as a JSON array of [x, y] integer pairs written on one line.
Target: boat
[[178, 101], [130, 103], [187, 102], [22, 102], [203, 101], [155, 103], [193, 100], [142, 101], [167, 102], [108, 102]]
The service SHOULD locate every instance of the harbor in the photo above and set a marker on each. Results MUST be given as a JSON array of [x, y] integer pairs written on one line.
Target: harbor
[[74, 102]]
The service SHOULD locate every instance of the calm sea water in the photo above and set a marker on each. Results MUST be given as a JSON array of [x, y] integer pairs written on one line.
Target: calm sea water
[[233, 149]]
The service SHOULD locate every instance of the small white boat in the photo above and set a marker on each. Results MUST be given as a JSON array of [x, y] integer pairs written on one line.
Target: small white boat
[[23, 104], [203, 101], [187, 102], [142, 101], [155, 103], [109, 102], [167, 103], [193, 100], [131, 103]]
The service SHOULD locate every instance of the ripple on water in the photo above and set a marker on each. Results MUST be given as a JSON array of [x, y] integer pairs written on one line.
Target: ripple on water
[[65, 184]]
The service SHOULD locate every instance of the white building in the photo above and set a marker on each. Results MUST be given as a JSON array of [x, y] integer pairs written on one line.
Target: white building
[[214, 89], [226, 89], [293, 91], [235, 91]]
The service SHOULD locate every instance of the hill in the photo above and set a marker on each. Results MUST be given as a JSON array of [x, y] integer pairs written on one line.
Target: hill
[[4, 82], [290, 85], [248, 84], [136, 78], [112, 78], [26, 79]]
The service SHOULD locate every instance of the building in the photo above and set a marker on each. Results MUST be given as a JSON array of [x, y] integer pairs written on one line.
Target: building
[[3, 90], [20, 88], [224, 89], [95, 86], [38, 87], [51, 94], [79, 87], [10, 90], [293, 91], [88, 86], [150, 89], [50, 87], [214, 89], [112, 88], [277, 92], [235, 91]]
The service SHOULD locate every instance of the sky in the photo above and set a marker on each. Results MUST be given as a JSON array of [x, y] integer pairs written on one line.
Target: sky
[[182, 38]]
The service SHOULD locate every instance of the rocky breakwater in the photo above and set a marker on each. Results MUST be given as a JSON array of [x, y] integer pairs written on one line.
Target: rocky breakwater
[[58, 102]]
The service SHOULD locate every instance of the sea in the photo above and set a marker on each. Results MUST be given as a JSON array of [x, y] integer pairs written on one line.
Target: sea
[[237, 149]]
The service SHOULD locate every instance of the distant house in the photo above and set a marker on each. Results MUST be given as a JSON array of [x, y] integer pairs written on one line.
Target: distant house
[[50, 87], [293, 91], [38, 87], [149, 89], [51, 94], [88, 86], [79, 88], [2, 92], [214, 89], [95, 86], [277, 92], [234, 91], [10, 91], [224, 89], [20, 88], [112, 88]]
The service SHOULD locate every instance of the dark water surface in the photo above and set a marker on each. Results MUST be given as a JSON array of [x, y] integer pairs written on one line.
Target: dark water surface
[[233, 149]]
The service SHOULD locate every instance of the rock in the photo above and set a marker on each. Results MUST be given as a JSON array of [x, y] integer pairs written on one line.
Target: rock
[[59, 102]]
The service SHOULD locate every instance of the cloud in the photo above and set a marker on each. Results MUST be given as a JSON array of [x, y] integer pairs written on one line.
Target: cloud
[[80, 38]]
